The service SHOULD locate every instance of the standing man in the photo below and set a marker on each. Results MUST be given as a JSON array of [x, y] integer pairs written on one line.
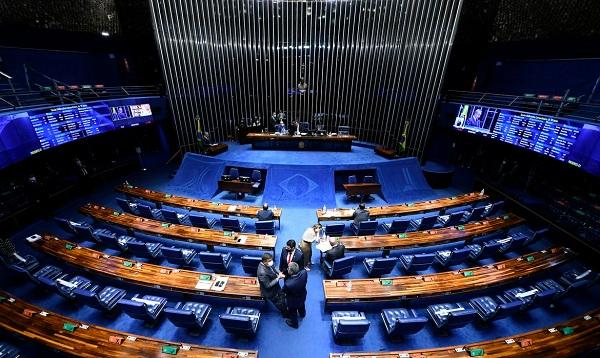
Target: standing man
[[360, 214], [290, 253], [265, 213], [268, 279], [294, 287], [310, 235]]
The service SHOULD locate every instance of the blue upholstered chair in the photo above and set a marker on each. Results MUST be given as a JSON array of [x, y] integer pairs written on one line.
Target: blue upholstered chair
[[579, 277], [215, 261], [202, 221], [494, 208], [485, 250], [66, 287], [527, 297], [266, 227], [126, 206], [22, 264], [178, 256], [426, 222], [146, 308], [475, 214], [148, 250], [379, 266], [85, 231], [9, 351], [65, 225], [173, 217], [250, 264], [349, 324], [364, 228], [450, 219], [338, 267], [148, 212], [240, 320], [352, 179], [488, 309], [529, 234], [105, 299], [111, 240], [368, 179], [344, 130], [48, 271], [512, 243], [452, 257], [256, 179], [396, 226], [417, 262], [451, 315], [232, 224], [335, 229], [234, 173], [401, 321], [190, 315]]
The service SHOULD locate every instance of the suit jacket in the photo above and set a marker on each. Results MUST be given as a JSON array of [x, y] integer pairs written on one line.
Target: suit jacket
[[263, 215], [295, 289], [336, 252], [297, 258], [268, 279], [360, 215]]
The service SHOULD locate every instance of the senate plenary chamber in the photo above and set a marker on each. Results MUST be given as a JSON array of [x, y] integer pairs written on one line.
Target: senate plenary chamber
[[299, 178]]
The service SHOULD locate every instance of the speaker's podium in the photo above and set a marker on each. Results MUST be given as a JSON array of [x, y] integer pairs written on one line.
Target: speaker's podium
[[211, 149]]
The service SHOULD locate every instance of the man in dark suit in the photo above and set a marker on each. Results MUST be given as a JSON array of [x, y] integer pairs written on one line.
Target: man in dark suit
[[290, 253], [294, 287], [268, 279], [265, 213], [337, 250], [360, 214]]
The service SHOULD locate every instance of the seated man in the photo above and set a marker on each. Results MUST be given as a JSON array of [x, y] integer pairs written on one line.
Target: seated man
[[203, 141], [336, 252], [265, 214], [360, 214]]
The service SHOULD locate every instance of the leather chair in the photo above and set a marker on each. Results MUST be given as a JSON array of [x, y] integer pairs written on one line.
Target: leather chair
[[451, 315], [339, 267], [142, 249], [9, 351], [426, 222], [190, 315], [66, 287], [352, 179], [450, 219], [256, 178], [349, 324], [552, 284], [65, 225], [579, 277], [266, 227], [48, 271], [215, 261], [230, 224], [488, 309], [126, 206], [250, 264], [396, 226], [178, 256], [105, 299], [485, 250], [85, 231], [401, 321], [527, 297], [494, 208], [234, 173], [148, 212], [240, 320], [202, 221], [173, 217], [146, 308], [335, 229], [27, 263], [511, 243], [379, 266], [447, 258], [111, 240], [364, 228], [475, 214], [368, 179], [417, 262]]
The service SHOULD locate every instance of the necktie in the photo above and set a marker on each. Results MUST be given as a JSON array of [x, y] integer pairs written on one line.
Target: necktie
[[290, 257]]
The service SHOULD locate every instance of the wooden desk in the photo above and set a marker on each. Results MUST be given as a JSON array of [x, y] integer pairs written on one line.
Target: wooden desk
[[585, 338], [145, 274], [91, 341], [389, 153], [411, 287], [430, 237], [216, 149], [180, 232], [362, 188], [275, 141], [403, 209], [194, 204], [236, 186]]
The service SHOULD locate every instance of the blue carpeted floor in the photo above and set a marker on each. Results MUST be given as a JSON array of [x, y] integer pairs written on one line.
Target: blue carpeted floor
[[275, 338]]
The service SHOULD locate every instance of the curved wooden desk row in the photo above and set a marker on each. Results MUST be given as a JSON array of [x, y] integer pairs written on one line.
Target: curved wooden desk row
[[403, 209], [180, 232], [430, 237], [193, 204], [145, 274], [579, 335], [470, 279], [81, 339]]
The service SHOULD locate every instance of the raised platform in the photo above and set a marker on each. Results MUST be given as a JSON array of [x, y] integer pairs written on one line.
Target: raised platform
[[271, 141]]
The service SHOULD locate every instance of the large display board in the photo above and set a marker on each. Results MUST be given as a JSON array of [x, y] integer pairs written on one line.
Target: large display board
[[574, 142], [23, 134]]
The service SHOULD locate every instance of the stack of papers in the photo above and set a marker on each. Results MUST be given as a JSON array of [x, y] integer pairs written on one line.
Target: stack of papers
[[324, 246]]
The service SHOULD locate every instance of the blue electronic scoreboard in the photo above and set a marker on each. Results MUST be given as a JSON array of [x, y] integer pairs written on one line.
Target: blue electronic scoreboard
[[23, 134], [574, 142]]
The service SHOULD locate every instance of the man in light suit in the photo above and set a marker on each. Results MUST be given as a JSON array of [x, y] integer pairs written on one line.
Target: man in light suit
[[290, 253]]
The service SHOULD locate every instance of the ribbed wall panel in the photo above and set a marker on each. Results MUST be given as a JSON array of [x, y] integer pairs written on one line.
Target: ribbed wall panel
[[370, 64]]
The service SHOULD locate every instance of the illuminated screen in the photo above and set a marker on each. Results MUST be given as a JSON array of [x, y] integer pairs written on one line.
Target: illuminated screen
[[23, 134], [570, 141]]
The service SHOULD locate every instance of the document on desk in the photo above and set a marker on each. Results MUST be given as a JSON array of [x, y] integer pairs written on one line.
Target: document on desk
[[324, 246], [203, 284], [232, 208], [220, 283]]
